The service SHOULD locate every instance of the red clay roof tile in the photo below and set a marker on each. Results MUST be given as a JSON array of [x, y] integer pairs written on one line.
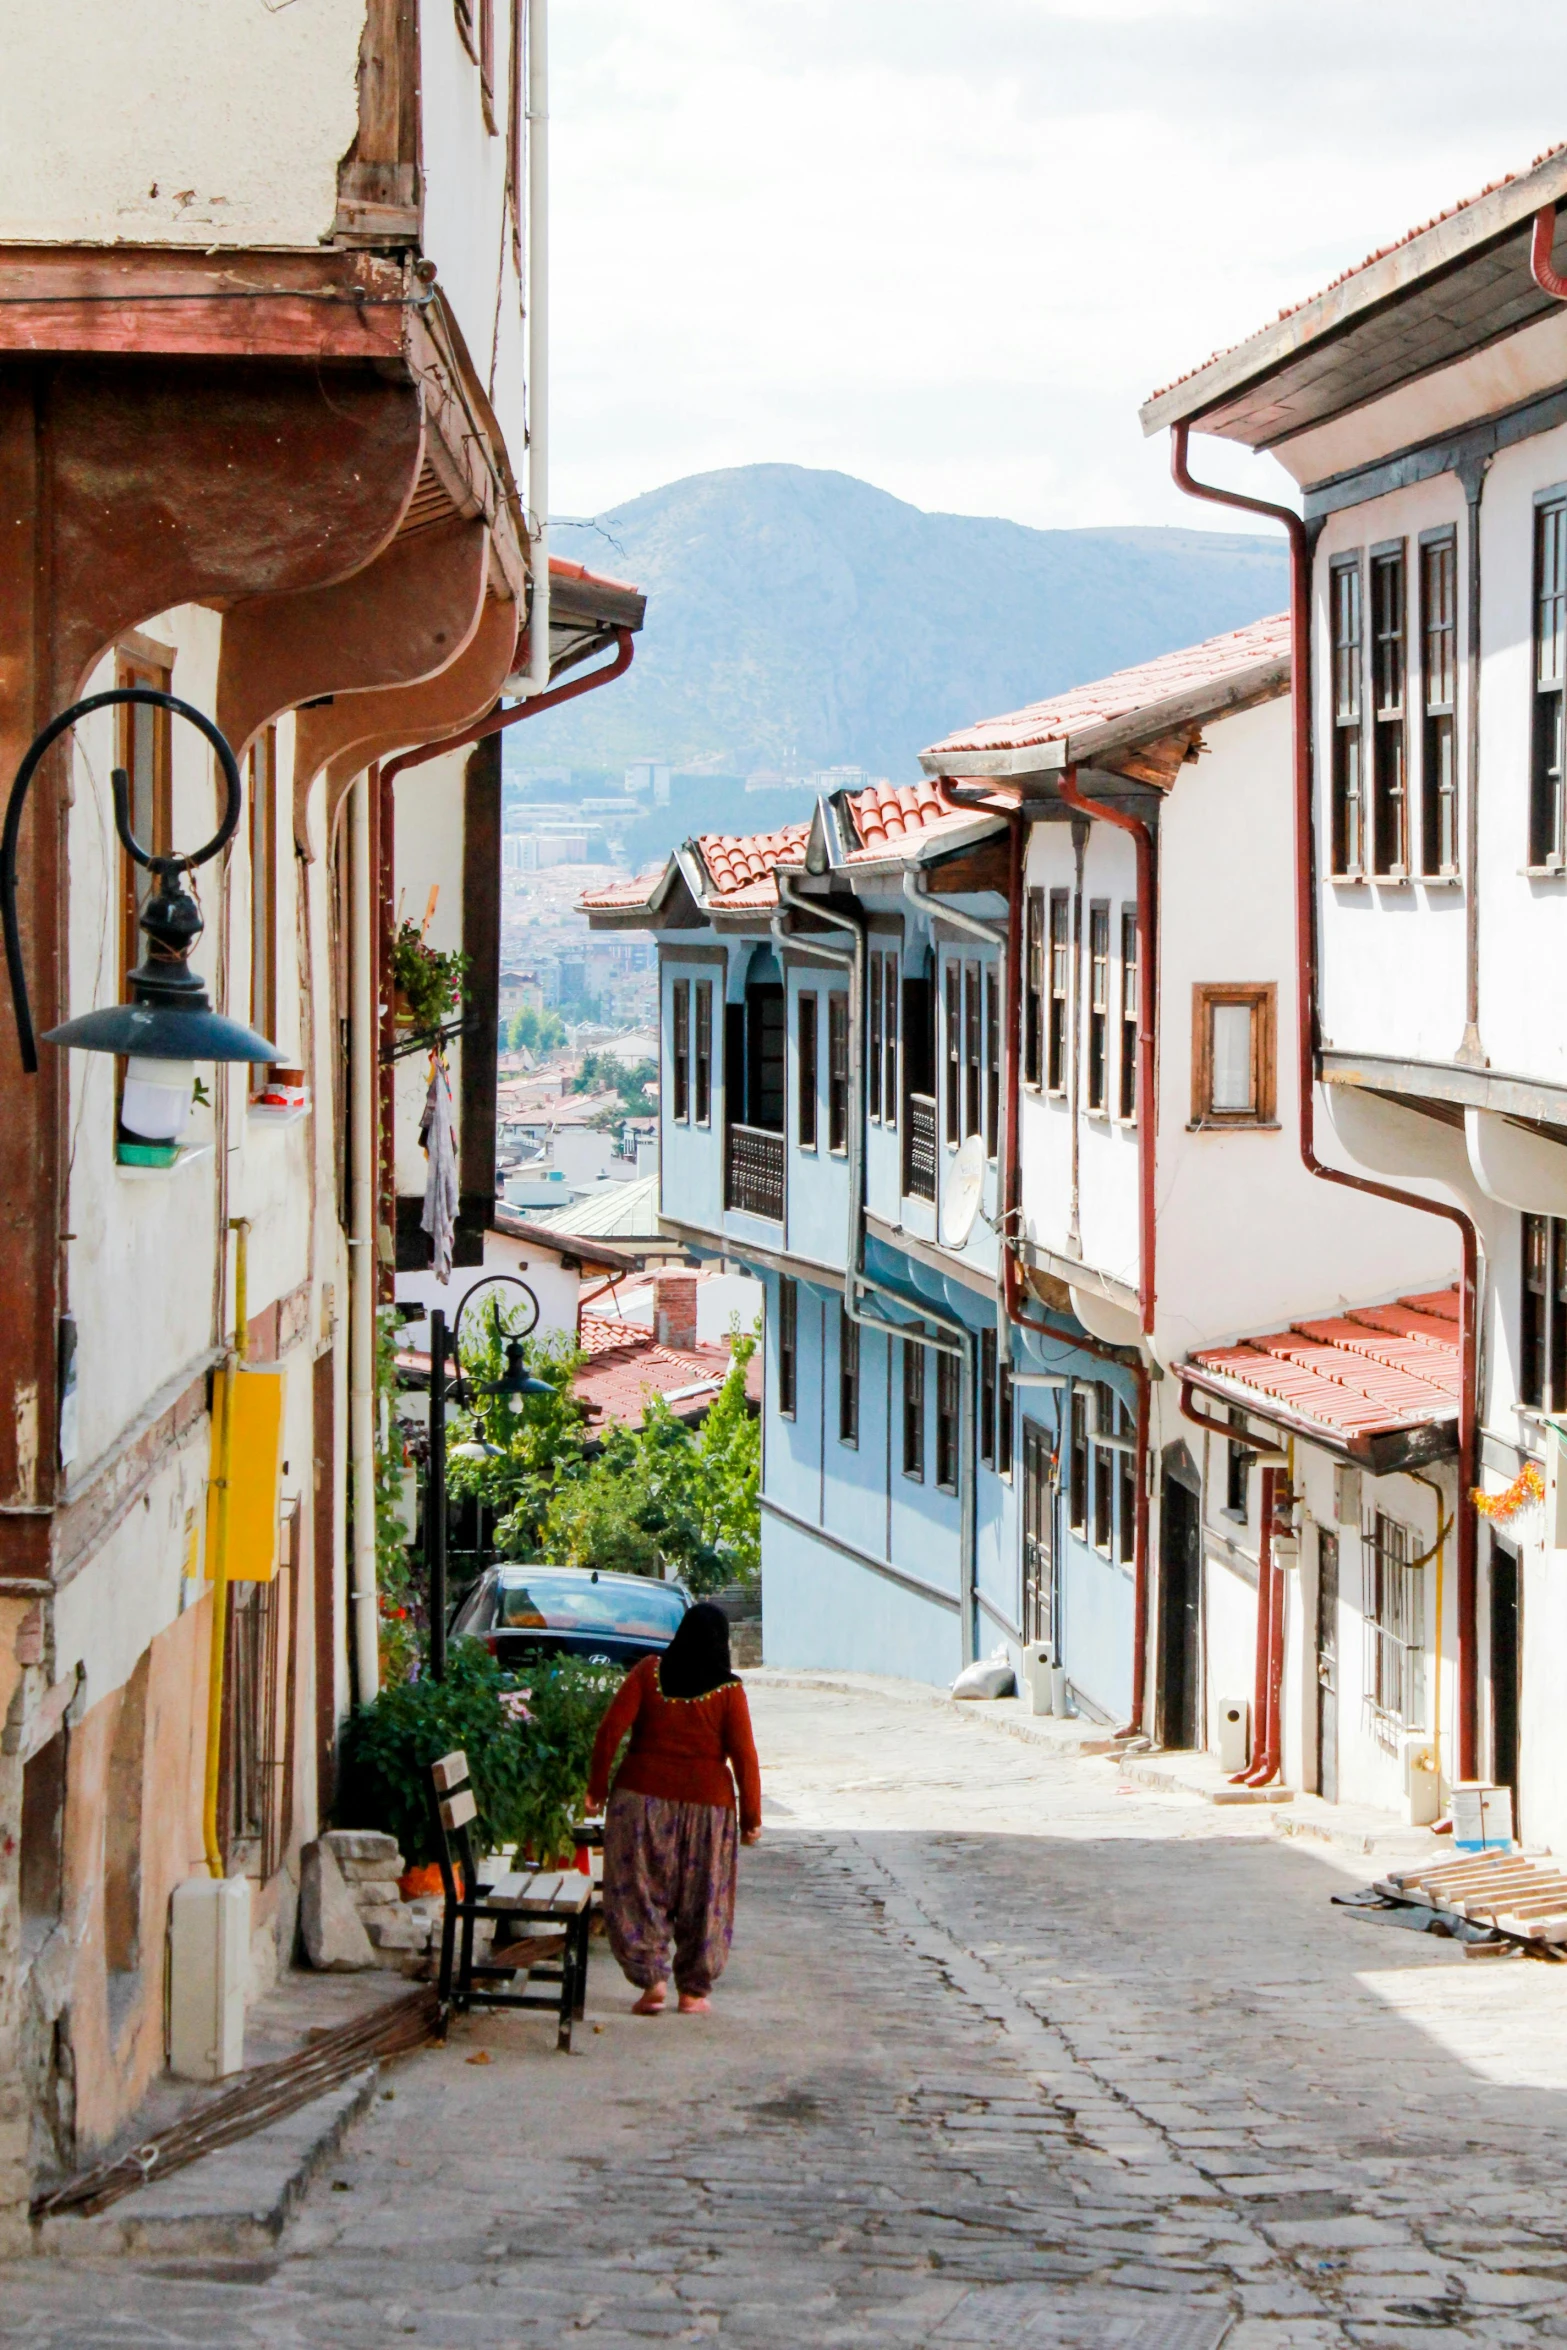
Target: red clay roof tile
[[1214, 662], [1370, 1371]]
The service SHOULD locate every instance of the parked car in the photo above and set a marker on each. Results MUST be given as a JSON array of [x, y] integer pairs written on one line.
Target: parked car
[[523, 1612]]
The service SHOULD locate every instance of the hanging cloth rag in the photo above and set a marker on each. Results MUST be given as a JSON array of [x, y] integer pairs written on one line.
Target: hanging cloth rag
[[438, 1141]]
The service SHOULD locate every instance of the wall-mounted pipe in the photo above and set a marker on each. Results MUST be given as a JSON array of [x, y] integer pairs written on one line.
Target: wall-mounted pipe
[[362, 1280], [223, 1454], [538, 347], [1269, 1683], [1306, 1034], [498, 720]]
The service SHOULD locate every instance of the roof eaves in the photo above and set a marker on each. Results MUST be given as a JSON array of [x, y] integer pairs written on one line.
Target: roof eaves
[[1485, 220], [1091, 745]]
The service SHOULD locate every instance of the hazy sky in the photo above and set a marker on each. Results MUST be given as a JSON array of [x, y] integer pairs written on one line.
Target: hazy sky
[[950, 247]]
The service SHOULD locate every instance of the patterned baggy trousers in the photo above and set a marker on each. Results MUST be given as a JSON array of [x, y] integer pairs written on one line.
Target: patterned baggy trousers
[[669, 1876]]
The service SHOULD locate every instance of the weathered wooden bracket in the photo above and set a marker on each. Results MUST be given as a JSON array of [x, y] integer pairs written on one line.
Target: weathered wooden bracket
[[404, 617], [344, 737]]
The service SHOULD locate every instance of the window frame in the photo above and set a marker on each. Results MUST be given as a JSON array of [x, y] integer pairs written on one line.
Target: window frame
[[1124, 1466], [1097, 1086], [913, 1410], [1262, 996], [1439, 808], [890, 1037], [1102, 1508], [1131, 972], [702, 1052], [1006, 1405], [848, 1379], [1058, 984], [1394, 1614], [135, 665], [1346, 716], [1239, 1460], [952, 1003], [973, 1049], [1391, 858], [1034, 990], [873, 1011], [987, 1398], [680, 1052], [1077, 1461], [837, 1071], [806, 1066], [262, 832], [949, 1419], [990, 983], [788, 1346], [1542, 1319], [1548, 700]]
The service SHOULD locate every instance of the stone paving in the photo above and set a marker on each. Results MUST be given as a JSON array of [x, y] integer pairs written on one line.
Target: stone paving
[[1010, 2052]]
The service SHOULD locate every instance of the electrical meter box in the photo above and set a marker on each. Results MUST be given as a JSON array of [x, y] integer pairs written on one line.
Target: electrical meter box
[[209, 1967]]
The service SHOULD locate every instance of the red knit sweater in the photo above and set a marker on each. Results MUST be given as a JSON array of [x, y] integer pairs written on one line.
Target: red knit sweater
[[683, 1748]]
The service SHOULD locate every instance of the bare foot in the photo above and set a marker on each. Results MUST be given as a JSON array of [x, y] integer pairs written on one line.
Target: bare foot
[[651, 2001], [692, 2003]]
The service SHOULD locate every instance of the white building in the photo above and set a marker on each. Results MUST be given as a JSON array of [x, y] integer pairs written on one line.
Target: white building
[[1418, 403]]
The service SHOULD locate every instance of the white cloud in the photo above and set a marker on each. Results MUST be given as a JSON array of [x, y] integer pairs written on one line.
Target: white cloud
[[950, 248]]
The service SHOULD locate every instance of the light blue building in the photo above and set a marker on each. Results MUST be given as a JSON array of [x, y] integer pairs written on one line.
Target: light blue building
[[938, 1481]]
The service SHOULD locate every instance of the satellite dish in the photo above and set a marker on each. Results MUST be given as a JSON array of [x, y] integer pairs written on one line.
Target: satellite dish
[[962, 1191]]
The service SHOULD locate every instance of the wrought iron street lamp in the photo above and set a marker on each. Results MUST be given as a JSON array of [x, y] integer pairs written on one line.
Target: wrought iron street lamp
[[512, 1389], [169, 1024]]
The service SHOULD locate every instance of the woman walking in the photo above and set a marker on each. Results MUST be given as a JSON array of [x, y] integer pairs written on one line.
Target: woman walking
[[670, 1829]]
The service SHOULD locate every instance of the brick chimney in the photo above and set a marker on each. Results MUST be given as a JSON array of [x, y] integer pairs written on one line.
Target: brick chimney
[[674, 1310]]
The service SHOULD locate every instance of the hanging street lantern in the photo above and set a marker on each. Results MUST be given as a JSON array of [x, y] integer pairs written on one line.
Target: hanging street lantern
[[169, 1024]]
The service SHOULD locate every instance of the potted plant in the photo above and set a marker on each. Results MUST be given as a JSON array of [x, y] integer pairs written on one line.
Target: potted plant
[[427, 983]]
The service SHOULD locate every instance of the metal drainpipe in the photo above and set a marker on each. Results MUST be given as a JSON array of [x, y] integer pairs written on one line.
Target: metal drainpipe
[[498, 720], [361, 1243], [1306, 1053], [852, 959]]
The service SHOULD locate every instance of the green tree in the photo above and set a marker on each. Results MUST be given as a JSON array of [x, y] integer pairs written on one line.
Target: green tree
[[660, 1500], [533, 1031], [635, 1086], [537, 1449]]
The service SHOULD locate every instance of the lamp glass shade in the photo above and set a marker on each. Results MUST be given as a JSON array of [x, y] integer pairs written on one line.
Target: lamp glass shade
[[155, 1103]]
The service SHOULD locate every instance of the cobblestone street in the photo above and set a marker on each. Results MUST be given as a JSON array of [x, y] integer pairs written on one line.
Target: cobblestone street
[[1008, 2052]]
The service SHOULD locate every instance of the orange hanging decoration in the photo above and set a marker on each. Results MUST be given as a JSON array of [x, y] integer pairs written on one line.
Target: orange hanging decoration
[[1526, 1488]]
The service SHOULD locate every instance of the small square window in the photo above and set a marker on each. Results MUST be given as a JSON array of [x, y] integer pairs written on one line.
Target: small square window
[[1233, 1055]]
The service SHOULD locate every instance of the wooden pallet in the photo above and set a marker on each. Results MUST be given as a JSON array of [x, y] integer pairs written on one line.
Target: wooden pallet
[[1523, 1898]]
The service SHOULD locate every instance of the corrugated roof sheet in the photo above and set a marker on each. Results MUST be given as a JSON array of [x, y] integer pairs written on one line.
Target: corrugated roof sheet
[[1369, 1372], [615, 1211]]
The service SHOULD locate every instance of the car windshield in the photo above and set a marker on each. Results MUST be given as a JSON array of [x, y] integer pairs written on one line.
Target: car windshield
[[544, 1602]]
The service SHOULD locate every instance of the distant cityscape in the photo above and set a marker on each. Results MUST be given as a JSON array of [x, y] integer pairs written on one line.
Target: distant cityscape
[[561, 826]]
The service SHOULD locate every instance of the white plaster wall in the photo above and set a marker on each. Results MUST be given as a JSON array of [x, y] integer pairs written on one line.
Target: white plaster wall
[[177, 122], [466, 230], [141, 1262], [1523, 921], [1246, 1238], [429, 854], [110, 1612], [555, 1286], [1392, 954]]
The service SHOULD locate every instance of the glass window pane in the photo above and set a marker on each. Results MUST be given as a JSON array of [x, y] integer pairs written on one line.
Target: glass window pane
[[1233, 1083]]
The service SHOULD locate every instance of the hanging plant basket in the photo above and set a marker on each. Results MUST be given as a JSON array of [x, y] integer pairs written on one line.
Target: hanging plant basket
[[427, 985]]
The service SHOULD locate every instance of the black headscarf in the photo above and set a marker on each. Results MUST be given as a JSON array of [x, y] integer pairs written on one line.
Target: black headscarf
[[697, 1659]]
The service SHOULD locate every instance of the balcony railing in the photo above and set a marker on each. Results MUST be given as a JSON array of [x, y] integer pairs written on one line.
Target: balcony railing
[[919, 1148], [756, 1172]]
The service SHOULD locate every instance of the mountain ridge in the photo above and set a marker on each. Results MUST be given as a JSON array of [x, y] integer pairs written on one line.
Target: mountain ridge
[[800, 619]]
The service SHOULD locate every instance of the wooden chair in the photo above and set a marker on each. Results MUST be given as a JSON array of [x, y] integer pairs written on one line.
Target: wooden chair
[[555, 1898]]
